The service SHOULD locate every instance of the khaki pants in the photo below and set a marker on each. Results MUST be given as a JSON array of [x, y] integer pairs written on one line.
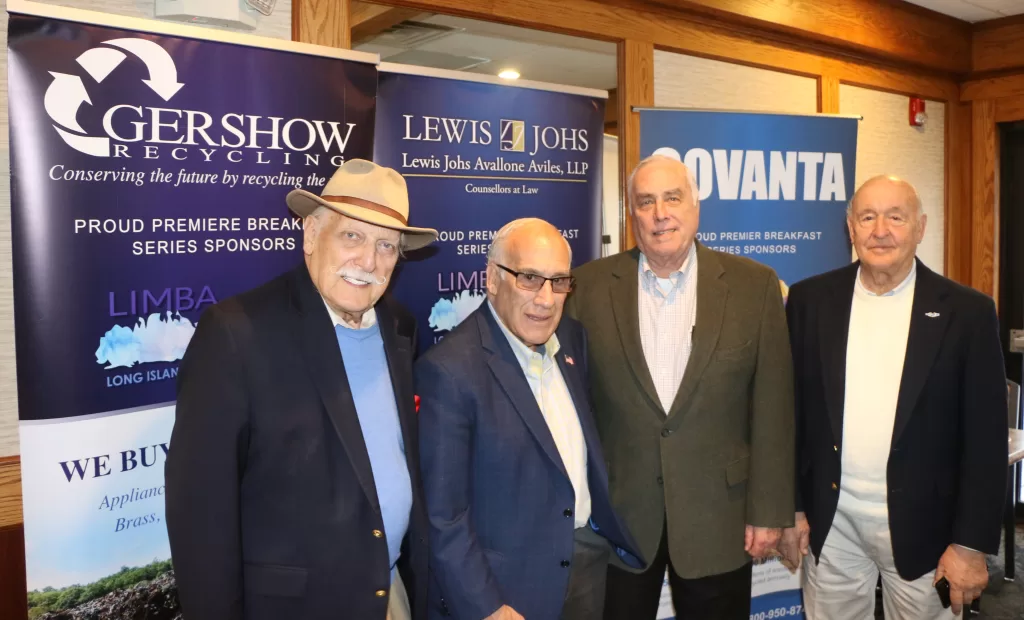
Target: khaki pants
[[857, 550], [398, 602]]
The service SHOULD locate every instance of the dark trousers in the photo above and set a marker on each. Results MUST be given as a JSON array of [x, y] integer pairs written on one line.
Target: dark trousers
[[584, 598], [637, 596]]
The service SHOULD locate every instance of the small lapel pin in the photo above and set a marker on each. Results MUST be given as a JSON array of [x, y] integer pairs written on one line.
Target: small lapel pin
[[568, 360], [931, 315]]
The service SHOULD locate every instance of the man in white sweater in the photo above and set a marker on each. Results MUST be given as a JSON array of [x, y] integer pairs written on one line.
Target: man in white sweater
[[901, 424]]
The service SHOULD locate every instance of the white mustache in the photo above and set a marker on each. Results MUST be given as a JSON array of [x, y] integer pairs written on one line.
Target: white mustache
[[353, 273]]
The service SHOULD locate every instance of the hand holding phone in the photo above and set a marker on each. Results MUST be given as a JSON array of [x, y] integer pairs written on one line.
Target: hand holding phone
[[942, 587]]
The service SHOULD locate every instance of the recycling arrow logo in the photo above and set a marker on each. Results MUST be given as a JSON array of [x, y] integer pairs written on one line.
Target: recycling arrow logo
[[66, 94]]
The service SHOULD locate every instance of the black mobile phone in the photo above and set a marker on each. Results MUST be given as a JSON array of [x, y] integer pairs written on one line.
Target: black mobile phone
[[942, 587]]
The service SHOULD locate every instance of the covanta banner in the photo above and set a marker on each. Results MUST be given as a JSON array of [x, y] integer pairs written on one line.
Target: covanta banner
[[773, 188], [148, 182], [477, 156]]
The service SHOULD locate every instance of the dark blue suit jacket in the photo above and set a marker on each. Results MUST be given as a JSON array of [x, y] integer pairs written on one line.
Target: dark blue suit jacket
[[499, 499], [271, 501]]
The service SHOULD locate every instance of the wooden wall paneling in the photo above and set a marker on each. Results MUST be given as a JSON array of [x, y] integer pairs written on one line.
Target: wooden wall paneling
[[984, 162], [828, 94], [958, 192], [1010, 109], [13, 586], [10, 492], [894, 30], [611, 113], [998, 44], [321, 22], [635, 89], [367, 20], [13, 598], [700, 37], [993, 88]]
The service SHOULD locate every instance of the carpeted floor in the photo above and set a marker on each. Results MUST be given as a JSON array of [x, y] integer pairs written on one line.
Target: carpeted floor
[[1002, 600]]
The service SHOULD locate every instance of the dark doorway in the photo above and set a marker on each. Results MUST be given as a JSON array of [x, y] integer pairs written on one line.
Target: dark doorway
[[1011, 241], [1011, 254]]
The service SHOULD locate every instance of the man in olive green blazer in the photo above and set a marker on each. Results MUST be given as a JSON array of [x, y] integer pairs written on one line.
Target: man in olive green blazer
[[692, 385]]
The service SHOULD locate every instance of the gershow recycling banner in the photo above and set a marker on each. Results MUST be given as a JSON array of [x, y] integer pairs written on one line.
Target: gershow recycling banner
[[476, 156], [773, 188], [148, 181]]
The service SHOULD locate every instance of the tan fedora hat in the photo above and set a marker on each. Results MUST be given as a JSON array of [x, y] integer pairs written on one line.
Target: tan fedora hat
[[367, 192]]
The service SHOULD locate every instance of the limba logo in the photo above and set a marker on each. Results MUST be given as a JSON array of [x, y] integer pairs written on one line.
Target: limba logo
[[150, 132]]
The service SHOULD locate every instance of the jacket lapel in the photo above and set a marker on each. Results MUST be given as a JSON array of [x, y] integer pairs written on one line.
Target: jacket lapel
[[833, 332], [625, 306], [398, 348], [323, 358], [923, 343], [712, 293], [509, 373]]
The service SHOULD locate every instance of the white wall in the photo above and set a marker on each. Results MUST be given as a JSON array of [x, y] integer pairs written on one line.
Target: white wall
[[8, 384], [278, 25], [690, 82], [612, 197], [887, 144]]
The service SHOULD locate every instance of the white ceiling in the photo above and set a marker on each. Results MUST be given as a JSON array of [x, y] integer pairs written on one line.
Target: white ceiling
[[974, 10], [538, 56]]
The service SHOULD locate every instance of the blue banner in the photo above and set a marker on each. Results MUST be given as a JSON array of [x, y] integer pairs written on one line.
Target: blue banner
[[476, 156], [773, 188], [148, 178]]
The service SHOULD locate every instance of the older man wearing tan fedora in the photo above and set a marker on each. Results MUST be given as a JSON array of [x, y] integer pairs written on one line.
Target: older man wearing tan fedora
[[293, 488]]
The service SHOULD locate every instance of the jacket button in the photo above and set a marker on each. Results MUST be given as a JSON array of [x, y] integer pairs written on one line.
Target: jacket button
[[835, 487], [381, 593], [665, 432], [661, 480], [567, 513], [378, 534], [565, 563], [836, 448]]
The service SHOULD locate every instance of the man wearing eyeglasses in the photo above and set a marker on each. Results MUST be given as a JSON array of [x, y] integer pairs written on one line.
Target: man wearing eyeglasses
[[521, 524], [692, 382]]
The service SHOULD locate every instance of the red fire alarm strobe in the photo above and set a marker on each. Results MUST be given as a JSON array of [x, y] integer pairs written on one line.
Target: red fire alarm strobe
[[917, 115]]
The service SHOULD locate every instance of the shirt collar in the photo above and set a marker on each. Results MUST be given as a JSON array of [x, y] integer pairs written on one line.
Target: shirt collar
[[520, 348], [368, 321], [676, 276], [907, 281]]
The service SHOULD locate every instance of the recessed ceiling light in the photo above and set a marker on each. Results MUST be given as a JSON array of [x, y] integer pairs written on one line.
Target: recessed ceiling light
[[509, 74]]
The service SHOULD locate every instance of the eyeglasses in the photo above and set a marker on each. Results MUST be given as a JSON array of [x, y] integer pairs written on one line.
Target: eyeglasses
[[534, 282]]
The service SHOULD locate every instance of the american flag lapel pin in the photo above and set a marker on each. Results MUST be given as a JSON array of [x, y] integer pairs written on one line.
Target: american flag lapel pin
[[568, 360]]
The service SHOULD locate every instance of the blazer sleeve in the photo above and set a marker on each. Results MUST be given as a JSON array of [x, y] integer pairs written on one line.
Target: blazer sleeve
[[984, 428], [772, 470], [203, 471], [570, 306], [467, 584], [794, 320]]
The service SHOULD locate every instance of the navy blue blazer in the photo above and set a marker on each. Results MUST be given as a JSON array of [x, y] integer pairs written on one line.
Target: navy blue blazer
[[499, 500], [272, 509]]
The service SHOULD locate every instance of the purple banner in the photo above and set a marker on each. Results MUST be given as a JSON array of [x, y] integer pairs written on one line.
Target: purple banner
[[148, 182], [477, 156]]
